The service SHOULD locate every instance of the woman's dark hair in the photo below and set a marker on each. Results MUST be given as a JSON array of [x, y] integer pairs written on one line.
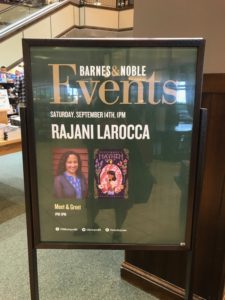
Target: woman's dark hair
[[63, 159], [113, 174]]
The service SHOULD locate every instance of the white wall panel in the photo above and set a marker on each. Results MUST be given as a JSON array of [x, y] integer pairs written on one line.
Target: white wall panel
[[126, 19], [11, 50], [39, 30], [103, 18], [62, 20]]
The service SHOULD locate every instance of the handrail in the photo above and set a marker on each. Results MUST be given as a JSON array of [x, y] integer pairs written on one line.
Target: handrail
[[15, 12], [28, 20]]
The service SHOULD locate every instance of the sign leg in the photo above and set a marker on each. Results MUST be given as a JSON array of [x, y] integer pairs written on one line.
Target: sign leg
[[32, 252], [189, 289]]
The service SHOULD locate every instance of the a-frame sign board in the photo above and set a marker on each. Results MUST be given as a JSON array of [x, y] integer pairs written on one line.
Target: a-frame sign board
[[111, 139]]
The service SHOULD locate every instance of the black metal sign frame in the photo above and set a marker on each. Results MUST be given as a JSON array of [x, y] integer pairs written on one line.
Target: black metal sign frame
[[29, 142]]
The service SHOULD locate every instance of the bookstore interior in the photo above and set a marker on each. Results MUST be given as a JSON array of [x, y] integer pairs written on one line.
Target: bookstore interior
[[11, 93]]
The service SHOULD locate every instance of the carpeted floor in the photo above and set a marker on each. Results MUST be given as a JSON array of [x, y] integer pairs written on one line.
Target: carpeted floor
[[63, 274], [11, 202]]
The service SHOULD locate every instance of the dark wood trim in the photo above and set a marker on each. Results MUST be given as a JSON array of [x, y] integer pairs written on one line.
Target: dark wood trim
[[153, 284], [125, 29], [109, 8], [214, 83], [96, 28]]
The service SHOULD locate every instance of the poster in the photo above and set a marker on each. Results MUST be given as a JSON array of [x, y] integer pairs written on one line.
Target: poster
[[113, 140]]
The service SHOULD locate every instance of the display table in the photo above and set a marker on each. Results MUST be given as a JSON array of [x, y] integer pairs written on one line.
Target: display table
[[3, 117], [7, 147]]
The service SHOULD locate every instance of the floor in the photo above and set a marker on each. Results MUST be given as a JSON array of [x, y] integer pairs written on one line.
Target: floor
[[63, 274], [79, 33]]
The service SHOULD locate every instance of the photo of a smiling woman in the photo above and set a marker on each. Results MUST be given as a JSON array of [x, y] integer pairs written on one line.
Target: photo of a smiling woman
[[70, 181]]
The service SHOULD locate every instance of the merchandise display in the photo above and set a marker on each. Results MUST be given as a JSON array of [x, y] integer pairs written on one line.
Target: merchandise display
[[12, 88]]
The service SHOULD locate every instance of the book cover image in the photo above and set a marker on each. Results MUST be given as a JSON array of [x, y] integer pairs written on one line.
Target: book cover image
[[111, 173]]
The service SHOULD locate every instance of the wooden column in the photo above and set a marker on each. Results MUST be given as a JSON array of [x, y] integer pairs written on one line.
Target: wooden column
[[163, 273]]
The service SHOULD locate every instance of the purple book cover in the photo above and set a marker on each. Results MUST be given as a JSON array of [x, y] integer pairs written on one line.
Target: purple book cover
[[111, 173]]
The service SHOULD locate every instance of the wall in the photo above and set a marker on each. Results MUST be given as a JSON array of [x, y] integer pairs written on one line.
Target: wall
[[101, 18], [185, 18], [11, 49]]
